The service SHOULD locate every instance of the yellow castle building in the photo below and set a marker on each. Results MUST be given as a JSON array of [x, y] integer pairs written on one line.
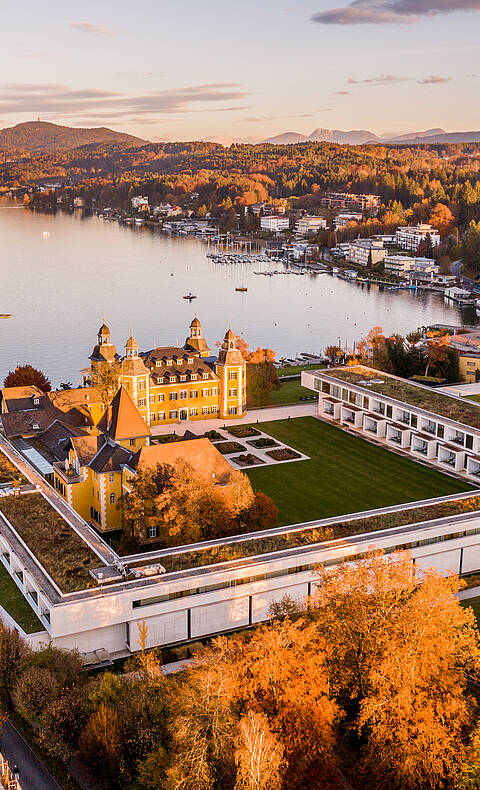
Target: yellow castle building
[[172, 384]]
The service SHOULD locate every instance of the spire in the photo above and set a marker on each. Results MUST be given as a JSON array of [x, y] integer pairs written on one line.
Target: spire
[[131, 346]]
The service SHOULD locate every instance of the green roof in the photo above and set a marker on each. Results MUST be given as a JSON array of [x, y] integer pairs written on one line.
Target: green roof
[[412, 394]]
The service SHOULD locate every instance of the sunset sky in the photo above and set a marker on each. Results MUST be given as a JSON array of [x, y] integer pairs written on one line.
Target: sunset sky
[[192, 70]]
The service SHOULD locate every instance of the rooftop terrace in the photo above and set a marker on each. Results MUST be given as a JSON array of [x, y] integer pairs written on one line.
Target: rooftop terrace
[[414, 394]]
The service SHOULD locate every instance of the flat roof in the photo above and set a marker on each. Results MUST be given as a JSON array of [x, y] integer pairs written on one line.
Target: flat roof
[[410, 393]]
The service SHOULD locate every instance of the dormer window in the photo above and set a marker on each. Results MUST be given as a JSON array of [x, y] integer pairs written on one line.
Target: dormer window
[[169, 361], [36, 426], [36, 401], [205, 376], [158, 363], [172, 378], [183, 378], [180, 361], [159, 379], [190, 360], [193, 377]]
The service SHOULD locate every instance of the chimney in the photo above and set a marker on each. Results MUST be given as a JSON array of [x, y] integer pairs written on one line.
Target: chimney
[[109, 417]]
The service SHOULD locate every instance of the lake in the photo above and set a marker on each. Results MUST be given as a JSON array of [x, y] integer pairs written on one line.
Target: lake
[[59, 287]]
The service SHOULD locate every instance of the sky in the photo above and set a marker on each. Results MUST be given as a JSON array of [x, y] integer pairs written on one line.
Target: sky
[[220, 69]]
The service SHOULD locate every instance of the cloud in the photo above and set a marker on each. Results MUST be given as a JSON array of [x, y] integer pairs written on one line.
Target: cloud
[[263, 118], [378, 12], [90, 27], [382, 79], [61, 101], [343, 93], [433, 79]]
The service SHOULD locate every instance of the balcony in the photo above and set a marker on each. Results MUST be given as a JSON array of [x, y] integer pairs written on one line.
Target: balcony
[[69, 475]]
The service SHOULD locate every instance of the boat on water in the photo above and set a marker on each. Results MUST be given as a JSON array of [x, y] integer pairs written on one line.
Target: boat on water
[[45, 234], [189, 296], [139, 221], [241, 289], [5, 315]]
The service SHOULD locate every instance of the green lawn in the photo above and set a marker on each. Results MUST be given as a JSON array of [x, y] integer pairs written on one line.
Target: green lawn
[[345, 474], [290, 392], [295, 370], [13, 601], [473, 397], [475, 604]]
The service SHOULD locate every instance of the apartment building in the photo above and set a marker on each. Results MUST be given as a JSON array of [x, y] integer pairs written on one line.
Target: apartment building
[[408, 238], [308, 225], [274, 224], [366, 251], [399, 265], [349, 201]]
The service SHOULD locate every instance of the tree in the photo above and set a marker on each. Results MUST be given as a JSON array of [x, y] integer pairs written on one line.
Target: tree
[[471, 247], [258, 755], [402, 652], [13, 653], [105, 379], [26, 375], [333, 353], [442, 219], [262, 376]]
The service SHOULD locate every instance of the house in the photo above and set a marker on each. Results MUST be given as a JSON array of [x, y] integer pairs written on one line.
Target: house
[[399, 265], [140, 203], [348, 200]]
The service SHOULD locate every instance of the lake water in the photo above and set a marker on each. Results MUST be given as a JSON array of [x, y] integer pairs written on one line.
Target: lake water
[[59, 287]]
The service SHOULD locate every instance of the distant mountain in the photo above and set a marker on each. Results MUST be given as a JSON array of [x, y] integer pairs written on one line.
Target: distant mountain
[[364, 137], [40, 136]]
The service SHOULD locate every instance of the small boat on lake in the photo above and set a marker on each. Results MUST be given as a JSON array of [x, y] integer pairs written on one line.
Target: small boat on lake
[[241, 289], [189, 296], [5, 315]]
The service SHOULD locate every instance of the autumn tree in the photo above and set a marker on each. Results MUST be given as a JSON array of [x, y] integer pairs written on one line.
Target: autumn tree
[[14, 651], [262, 376], [106, 378], [334, 354], [401, 652], [26, 375], [442, 219]]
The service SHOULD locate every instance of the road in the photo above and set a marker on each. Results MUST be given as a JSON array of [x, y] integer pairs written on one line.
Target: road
[[32, 773]]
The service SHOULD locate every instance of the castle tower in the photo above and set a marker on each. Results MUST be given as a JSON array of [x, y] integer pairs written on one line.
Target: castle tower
[[103, 354], [231, 371], [196, 341], [135, 378]]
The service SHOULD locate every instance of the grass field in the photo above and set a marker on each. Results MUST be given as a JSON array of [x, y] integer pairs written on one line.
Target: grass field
[[290, 392], [13, 601], [295, 370], [476, 398], [344, 474], [475, 604]]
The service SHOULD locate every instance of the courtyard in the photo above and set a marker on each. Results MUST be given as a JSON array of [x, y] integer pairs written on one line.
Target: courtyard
[[343, 474]]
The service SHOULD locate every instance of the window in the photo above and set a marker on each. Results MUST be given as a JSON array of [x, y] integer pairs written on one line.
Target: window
[[37, 400], [205, 410], [132, 442], [111, 477], [112, 499], [152, 532], [190, 360], [141, 401], [232, 410], [159, 379], [36, 426], [173, 415], [161, 415], [161, 398], [151, 398], [172, 379], [183, 394], [204, 375], [180, 361], [232, 375], [141, 384], [169, 361], [232, 393], [173, 396], [193, 377], [193, 412], [183, 377], [152, 417], [215, 391], [214, 409], [205, 393], [194, 393]]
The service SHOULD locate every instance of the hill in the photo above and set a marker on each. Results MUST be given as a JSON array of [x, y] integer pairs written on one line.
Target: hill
[[364, 137], [40, 136]]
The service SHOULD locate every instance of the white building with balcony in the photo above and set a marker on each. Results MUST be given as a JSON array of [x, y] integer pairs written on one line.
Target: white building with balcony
[[409, 237], [275, 223], [307, 226], [399, 265], [363, 252]]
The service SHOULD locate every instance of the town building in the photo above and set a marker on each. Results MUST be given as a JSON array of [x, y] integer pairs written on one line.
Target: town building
[[274, 224], [366, 252], [342, 220], [409, 237], [399, 265], [171, 384], [350, 201], [308, 225], [140, 203]]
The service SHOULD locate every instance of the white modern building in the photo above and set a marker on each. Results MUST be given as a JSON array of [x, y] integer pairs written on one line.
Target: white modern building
[[399, 265], [342, 220], [139, 203], [408, 238], [365, 251], [308, 225], [274, 224]]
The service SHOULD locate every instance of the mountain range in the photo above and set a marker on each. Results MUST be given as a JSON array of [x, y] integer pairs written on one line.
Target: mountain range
[[40, 136], [363, 137]]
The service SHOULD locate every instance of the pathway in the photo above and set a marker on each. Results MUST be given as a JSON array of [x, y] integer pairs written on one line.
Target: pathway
[[252, 416], [461, 389], [33, 775]]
